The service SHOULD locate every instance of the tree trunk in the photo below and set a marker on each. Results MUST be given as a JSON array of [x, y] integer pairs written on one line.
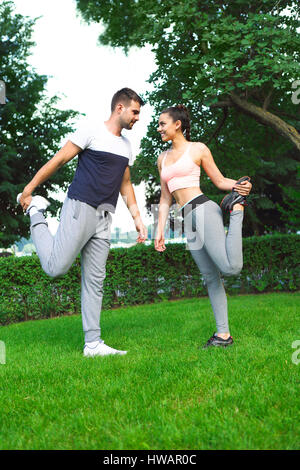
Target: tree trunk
[[268, 119]]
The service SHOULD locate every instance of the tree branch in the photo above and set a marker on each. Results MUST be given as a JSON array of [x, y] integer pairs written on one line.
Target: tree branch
[[268, 119], [221, 104]]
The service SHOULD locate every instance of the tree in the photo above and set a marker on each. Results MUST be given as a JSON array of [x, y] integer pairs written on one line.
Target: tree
[[234, 65], [31, 127]]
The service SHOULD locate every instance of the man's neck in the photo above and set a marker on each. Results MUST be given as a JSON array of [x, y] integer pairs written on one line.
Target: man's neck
[[113, 126]]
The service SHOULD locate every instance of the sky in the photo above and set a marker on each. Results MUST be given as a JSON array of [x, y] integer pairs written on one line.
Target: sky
[[86, 75]]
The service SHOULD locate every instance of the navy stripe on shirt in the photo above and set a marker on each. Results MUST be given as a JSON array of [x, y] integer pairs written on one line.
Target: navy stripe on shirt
[[98, 178]]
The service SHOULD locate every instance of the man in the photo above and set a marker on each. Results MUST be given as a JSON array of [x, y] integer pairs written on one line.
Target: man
[[102, 172]]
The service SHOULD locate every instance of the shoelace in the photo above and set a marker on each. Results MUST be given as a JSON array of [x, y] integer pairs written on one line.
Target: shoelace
[[211, 339]]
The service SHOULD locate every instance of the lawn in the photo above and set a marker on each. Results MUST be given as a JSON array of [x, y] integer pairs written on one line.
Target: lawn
[[166, 393]]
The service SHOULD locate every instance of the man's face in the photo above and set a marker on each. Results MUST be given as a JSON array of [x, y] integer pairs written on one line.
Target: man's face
[[130, 114]]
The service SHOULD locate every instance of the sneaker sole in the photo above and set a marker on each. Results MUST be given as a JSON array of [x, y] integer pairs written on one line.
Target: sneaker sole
[[123, 353], [217, 346], [47, 204], [242, 202]]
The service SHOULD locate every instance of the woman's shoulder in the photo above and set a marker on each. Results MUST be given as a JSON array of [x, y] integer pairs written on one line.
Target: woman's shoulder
[[199, 150], [199, 146], [160, 157]]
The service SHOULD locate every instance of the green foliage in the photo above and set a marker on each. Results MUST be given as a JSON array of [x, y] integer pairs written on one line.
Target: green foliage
[[31, 126], [140, 275], [292, 200], [205, 52], [214, 48]]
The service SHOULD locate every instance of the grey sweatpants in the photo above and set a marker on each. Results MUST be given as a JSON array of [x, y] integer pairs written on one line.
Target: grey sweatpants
[[84, 229], [215, 253]]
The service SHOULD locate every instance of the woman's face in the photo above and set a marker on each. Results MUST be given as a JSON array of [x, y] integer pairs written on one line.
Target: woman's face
[[167, 127]]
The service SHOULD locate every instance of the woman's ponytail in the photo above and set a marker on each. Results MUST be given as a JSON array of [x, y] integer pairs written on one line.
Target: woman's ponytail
[[186, 125]]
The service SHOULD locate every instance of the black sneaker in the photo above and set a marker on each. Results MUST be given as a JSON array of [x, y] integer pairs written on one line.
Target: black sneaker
[[216, 340], [234, 197]]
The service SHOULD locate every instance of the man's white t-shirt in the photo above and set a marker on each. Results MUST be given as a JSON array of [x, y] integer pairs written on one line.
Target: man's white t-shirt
[[101, 165], [97, 137]]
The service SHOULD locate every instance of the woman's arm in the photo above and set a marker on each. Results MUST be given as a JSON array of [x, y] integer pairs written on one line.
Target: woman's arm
[[163, 211], [213, 172]]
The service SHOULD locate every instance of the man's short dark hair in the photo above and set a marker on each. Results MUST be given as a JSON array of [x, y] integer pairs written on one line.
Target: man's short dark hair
[[125, 96]]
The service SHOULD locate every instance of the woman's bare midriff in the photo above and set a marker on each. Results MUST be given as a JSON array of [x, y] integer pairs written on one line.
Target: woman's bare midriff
[[182, 196]]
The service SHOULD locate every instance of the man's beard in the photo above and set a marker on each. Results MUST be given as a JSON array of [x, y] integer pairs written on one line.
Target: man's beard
[[127, 125]]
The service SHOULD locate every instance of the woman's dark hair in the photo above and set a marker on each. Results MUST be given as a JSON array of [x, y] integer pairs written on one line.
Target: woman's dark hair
[[180, 113], [125, 95]]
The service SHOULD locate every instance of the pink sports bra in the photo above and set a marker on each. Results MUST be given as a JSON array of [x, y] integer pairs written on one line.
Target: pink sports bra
[[184, 173]]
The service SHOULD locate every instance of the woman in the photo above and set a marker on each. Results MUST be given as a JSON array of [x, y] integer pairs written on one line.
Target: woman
[[213, 251]]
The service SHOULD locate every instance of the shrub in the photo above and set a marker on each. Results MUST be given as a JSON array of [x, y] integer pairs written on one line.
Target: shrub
[[140, 275]]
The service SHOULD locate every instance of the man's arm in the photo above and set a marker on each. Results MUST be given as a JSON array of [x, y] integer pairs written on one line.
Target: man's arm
[[127, 193], [64, 155]]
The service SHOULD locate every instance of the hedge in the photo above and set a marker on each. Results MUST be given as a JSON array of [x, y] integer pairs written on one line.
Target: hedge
[[140, 275]]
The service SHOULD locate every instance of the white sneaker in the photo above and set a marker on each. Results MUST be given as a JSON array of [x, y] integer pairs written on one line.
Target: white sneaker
[[100, 349], [39, 202]]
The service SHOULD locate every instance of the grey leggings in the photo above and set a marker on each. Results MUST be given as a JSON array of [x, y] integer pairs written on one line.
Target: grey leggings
[[215, 253]]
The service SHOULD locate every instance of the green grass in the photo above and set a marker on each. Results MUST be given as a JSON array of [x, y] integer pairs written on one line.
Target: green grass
[[166, 393]]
